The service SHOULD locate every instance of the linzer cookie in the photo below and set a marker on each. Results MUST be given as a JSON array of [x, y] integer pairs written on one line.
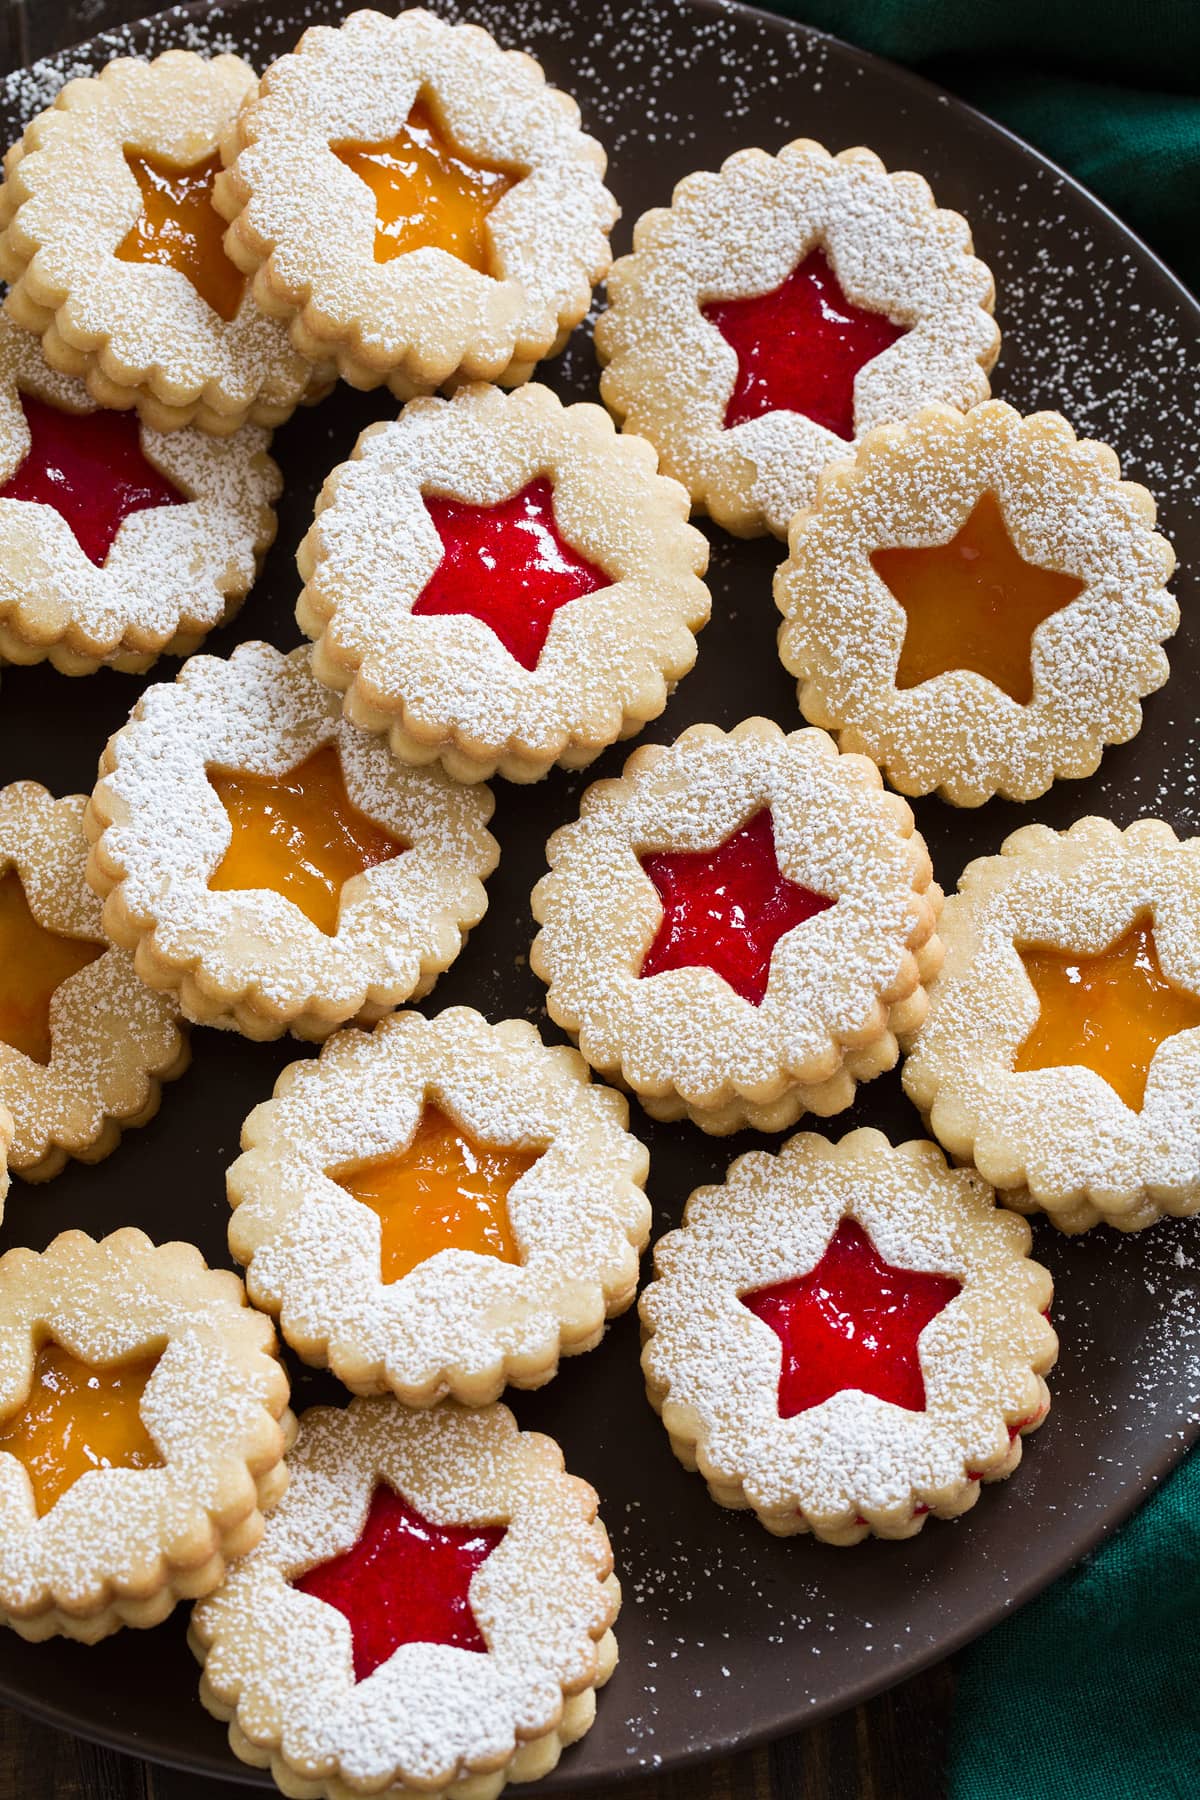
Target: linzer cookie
[[84, 1045], [118, 543], [113, 249], [143, 1421], [417, 203], [441, 1207], [430, 1609], [533, 597], [977, 603], [1061, 1053], [271, 865], [848, 1337], [738, 928], [779, 309]]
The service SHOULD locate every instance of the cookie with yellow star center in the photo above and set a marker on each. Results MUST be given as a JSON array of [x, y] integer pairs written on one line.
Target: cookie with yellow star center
[[977, 602]]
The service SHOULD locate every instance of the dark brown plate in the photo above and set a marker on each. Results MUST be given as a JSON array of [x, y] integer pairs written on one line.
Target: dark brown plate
[[727, 1635]]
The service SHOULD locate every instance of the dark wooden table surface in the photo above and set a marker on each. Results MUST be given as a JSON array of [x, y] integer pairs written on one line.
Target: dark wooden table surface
[[891, 1749]]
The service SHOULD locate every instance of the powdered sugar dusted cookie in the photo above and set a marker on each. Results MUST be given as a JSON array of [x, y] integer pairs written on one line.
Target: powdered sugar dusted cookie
[[118, 543], [84, 1045], [416, 202], [271, 865], [977, 603], [143, 1421], [532, 597], [113, 249], [739, 926], [429, 1611], [848, 1337], [1061, 1053], [441, 1207], [780, 308]]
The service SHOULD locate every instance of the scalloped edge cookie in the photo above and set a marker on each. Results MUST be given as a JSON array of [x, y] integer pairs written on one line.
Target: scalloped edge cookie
[[446, 687], [123, 1546], [855, 1464], [1066, 509]]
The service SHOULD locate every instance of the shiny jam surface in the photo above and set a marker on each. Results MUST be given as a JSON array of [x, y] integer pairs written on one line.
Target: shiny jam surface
[[508, 565], [181, 228], [299, 834], [34, 963], [973, 603], [852, 1322], [78, 1418], [727, 908], [1109, 1012], [89, 467], [443, 1192], [406, 1581], [428, 194], [800, 347]]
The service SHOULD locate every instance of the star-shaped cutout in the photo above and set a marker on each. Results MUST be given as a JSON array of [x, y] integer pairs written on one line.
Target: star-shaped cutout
[[34, 963], [299, 834], [77, 1418], [427, 193], [854, 1321], [444, 1191], [800, 347], [180, 228], [1109, 1012], [89, 467], [406, 1581], [973, 603], [727, 908], [508, 565]]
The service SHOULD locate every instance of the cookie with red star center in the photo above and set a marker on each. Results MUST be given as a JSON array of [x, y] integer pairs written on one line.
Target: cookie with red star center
[[430, 1609], [780, 308], [535, 596], [738, 928], [848, 1337], [118, 543]]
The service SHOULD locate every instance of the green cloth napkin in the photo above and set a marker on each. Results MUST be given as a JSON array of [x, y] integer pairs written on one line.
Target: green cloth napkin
[[1093, 1691], [1108, 88]]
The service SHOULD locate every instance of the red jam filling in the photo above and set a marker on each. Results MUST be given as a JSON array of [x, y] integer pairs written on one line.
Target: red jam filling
[[89, 467], [800, 347], [508, 565], [727, 908], [406, 1581], [852, 1322]]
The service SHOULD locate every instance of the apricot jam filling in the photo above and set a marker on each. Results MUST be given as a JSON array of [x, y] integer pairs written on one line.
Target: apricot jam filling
[[428, 193], [1109, 1012], [727, 908], [853, 1321], [973, 603], [443, 1191], [800, 347], [34, 963], [298, 834], [406, 1581], [180, 228], [89, 467], [79, 1417], [508, 565]]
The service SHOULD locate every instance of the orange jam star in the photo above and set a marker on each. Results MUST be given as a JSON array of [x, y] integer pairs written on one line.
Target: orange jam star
[[34, 963], [298, 834], [1109, 1011], [428, 194], [973, 603], [79, 1417], [180, 228], [444, 1191]]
